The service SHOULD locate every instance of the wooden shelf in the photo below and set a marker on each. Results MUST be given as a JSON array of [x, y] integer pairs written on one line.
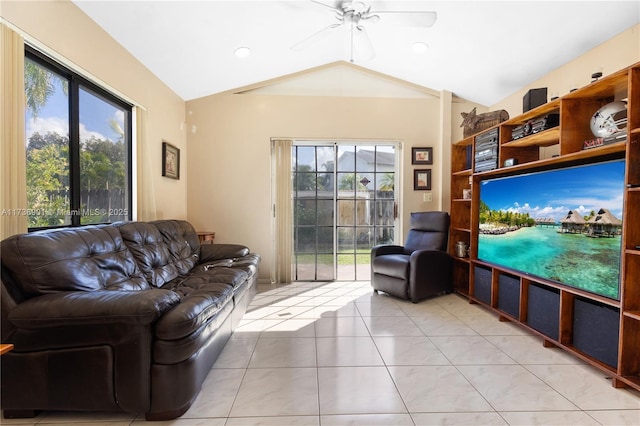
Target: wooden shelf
[[457, 228], [589, 359], [544, 109], [465, 172], [632, 381], [632, 314], [613, 85], [545, 138], [601, 151], [576, 110]]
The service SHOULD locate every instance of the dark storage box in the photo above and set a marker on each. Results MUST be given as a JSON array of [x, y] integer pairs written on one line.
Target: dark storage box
[[596, 328], [543, 310], [482, 284], [534, 98], [509, 295]]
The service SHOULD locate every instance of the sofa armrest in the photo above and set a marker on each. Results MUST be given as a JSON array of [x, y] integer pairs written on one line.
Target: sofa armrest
[[100, 307], [212, 252], [84, 350]]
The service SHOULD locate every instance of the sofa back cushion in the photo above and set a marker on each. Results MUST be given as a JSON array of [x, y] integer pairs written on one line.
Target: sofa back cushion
[[71, 259], [182, 242], [150, 251]]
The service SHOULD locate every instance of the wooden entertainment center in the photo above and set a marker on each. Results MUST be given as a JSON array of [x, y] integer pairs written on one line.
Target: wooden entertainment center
[[603, 332]]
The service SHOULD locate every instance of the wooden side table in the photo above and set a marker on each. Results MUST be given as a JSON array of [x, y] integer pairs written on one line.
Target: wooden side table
[[206, 237]]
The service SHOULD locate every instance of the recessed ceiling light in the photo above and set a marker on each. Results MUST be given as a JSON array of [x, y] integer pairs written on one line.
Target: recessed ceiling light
[[420, 47], [242, 52]]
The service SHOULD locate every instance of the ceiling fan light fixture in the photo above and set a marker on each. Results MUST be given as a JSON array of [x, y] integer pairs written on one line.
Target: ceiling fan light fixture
[[242, 52], [356, 7], [419, 47], [353, 17]]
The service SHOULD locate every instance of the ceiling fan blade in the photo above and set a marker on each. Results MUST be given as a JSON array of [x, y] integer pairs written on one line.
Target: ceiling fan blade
[[315, 37], [332, 5], [407, 19], [361, 49]]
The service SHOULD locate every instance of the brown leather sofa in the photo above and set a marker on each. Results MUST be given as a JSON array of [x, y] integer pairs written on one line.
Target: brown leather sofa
[[123, 317]]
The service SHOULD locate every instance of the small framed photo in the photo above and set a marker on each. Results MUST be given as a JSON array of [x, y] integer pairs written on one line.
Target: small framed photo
[[422, 155], [422, 179], [170, 161]]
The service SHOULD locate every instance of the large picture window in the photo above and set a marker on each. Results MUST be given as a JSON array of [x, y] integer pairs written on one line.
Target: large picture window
[[78, 143]]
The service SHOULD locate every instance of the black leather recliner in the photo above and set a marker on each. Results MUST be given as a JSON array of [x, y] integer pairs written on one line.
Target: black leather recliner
[[422, 267]]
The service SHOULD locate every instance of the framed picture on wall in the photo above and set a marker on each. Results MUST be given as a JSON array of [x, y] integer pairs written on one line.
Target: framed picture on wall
[[422, 155], [421, 179], [170, 161]]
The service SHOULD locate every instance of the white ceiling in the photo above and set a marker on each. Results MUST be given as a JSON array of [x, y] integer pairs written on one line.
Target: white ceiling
[[479, 50]]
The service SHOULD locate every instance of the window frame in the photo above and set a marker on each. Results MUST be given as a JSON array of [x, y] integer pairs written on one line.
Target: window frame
[[76, 83]]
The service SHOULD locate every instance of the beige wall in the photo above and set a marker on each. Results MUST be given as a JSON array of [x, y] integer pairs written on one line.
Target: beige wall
[[229, 156], [65, 31], [615, 54]]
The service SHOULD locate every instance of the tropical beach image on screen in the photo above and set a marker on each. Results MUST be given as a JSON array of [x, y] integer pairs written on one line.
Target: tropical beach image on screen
[[562, 225]]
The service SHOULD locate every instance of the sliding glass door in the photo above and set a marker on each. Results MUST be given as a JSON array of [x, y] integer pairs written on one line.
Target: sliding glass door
[[344, 202]]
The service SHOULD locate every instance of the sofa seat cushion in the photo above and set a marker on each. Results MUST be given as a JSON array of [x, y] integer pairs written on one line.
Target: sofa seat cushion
[[248, 263], [201, 300], [393, 265], [230, 276], [178, 350]]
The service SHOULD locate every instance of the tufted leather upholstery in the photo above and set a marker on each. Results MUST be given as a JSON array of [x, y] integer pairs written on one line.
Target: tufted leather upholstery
[[182, 243], [420, 268], [93, 258], [150, 251], [121, 317]]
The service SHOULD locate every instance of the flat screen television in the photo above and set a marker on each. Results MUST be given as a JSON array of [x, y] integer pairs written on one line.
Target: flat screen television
[[562, 225]]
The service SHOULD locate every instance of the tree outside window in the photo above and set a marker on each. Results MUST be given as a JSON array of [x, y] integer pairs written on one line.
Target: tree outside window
[[78, 145]]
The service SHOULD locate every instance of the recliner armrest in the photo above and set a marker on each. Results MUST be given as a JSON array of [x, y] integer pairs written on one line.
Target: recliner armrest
[[421, 254], [93, 308], [423, 261], [212, 252], [383, 249], [430, 269]]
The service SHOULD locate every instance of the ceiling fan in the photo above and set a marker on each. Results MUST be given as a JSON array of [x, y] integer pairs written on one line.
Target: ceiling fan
[[352, 16]]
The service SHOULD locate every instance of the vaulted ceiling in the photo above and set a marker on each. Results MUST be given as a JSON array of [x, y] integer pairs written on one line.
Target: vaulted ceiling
[[479, 50]]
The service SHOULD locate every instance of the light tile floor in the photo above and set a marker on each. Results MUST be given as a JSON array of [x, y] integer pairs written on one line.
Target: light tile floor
[[336, 354]]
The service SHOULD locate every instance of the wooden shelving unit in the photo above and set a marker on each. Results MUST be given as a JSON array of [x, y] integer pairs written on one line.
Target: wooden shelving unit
[[545, 307], [460, 227]]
